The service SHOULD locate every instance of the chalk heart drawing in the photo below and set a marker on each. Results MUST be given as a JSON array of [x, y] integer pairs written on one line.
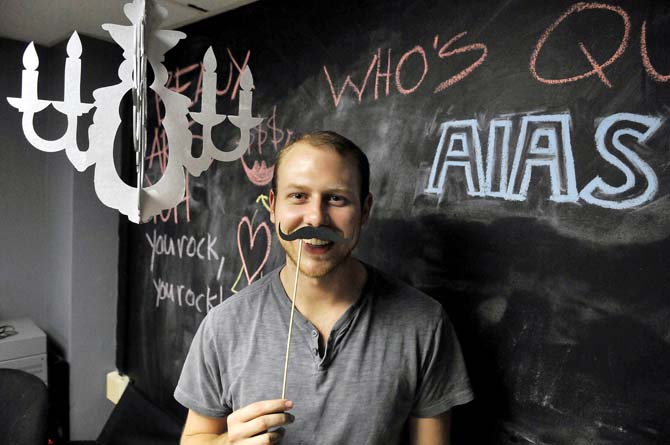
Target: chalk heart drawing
[[247, 249], [143, 42]]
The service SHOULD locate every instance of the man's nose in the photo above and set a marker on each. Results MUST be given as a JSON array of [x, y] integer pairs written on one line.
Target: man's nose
[[317, 213]]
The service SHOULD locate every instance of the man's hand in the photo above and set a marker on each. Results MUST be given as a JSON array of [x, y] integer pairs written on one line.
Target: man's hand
[[246, 426], [250, 425]]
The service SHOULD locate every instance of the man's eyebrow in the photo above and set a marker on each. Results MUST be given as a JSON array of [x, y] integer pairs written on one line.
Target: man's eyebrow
[[293, 185], [336, 189], [342, 190]]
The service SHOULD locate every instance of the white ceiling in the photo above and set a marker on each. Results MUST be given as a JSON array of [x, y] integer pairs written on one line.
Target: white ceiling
[[48, 22]]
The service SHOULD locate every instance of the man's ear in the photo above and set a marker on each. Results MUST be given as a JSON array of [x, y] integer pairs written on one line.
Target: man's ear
[[365, 211], [271, 197]]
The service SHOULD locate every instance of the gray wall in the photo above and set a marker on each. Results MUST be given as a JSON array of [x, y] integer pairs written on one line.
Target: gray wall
[[59, 257]]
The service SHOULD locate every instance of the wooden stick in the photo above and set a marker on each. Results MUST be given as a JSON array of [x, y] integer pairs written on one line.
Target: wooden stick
[[290, 323]]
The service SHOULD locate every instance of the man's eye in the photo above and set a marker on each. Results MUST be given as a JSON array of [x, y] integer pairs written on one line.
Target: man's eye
[[338, 200], [298, 196]]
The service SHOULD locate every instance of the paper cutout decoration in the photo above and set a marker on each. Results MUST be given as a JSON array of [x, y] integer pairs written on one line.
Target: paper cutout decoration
[[143, 42]]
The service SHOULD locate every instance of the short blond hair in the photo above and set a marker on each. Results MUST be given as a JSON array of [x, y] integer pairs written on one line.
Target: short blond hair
[[343, 146]]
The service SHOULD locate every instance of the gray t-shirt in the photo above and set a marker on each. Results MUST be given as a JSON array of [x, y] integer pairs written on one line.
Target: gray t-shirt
[[391, 355]]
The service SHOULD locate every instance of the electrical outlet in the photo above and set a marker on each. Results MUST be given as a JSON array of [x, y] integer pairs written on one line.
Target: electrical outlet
[[116, 384]]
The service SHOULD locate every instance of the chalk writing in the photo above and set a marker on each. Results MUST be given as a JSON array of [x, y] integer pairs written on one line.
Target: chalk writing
[[165, 215], [421, 53], [182, 295], [201, 248], [549, 147], [597, 67], [178, 83], [544, 142], [646, 62], [443, 54], [218, 272], [641, 128], [266, 140], [381, 64], [182, 247], [263, 199]]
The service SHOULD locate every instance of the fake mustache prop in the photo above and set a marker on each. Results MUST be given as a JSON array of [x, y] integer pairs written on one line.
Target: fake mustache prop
[[309, 232]]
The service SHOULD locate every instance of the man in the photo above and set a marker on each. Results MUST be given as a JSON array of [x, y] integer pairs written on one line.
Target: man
[[369, 354]]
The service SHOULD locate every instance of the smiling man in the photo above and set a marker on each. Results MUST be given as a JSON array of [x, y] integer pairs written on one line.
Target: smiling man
[[369, 356]]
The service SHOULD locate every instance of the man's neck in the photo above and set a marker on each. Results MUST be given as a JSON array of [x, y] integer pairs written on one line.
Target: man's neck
[[337, 290]]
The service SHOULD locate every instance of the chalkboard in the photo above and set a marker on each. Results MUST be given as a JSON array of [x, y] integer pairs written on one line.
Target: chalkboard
[[519, 156]]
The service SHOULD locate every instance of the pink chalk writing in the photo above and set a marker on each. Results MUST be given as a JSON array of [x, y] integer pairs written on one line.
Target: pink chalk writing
[[381, 65], [648, 67], [597, 67], [443, 54], [176, 81], [416, 50], [165, 215], [383, 74], [266, 140], [349, 83], [240, 69]]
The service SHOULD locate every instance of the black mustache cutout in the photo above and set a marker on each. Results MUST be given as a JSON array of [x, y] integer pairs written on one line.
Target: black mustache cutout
[[309, 232]]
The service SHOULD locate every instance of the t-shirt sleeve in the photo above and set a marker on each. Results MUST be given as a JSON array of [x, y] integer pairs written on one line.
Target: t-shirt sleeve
[[444, 380], [200, 385]]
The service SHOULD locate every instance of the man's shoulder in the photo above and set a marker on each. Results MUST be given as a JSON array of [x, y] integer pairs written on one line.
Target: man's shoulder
[[401, 299], [247, 300]]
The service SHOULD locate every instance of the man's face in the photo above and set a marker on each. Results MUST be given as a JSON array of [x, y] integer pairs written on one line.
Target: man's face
[[318, 187]]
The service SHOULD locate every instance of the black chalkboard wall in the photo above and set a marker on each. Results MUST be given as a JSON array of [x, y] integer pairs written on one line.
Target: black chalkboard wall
[[520, 163]]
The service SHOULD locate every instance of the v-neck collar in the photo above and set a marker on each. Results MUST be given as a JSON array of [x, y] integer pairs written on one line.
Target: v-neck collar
[[341, 326]]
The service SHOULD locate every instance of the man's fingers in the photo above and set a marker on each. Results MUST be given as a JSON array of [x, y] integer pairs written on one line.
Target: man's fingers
[[251, 423], [261, 408], [265, 439], [261, 425]]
